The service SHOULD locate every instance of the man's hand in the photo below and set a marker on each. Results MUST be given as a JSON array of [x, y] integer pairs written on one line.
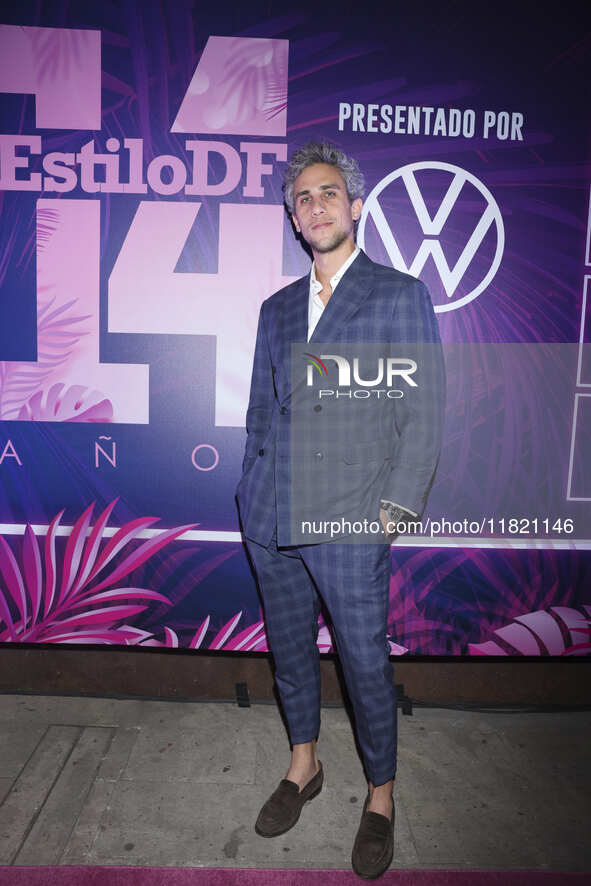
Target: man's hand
[[384, 520]]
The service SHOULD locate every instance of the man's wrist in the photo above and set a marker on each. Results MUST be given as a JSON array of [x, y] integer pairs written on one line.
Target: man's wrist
[[395, 514], [393, 509]]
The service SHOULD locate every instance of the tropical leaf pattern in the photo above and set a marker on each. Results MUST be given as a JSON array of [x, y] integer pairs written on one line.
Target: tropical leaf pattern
[[561, 630], [77, 592], [72, 403], [55, 52], [81, 599], [251, 638], [255, 76], [58, 335], [455, 601]]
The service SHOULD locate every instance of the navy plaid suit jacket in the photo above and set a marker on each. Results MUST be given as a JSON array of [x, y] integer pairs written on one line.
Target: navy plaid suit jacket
[[345, 459]]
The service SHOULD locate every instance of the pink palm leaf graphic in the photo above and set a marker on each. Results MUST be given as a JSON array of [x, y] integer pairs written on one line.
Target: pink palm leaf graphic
[[24, 391], [56, 341], [255, 77], [78, 600], [560, 630], [252, 638], [60, 403]]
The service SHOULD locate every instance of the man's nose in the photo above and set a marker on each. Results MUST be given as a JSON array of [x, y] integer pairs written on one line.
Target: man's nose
[[317, 206]]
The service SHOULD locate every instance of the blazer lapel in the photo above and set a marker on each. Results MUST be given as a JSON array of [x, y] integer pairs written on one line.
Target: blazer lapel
[[293, 327], [351, 292], [295, 316], [353, 289]]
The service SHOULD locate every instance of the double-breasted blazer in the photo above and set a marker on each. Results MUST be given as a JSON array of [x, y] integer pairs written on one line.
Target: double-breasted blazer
[[315, 455]]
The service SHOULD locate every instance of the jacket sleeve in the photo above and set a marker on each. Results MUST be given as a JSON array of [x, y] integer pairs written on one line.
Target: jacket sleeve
[[262, 394], [419, 415]]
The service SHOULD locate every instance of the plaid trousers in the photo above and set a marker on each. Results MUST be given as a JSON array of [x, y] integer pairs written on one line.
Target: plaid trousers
[[353, 580]]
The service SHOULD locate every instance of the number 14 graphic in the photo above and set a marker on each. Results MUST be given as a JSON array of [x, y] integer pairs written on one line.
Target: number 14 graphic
[[68, 382]]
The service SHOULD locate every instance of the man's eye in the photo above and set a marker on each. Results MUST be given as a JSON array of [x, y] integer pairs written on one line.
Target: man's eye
[[304, 199], [329, 193]]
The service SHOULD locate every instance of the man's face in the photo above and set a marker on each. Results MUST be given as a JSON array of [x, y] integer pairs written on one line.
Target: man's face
[[323, 214]]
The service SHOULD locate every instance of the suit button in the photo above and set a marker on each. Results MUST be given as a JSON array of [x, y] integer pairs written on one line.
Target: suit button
[[317, 408], [261, 451], [283, 410], [318, 455]]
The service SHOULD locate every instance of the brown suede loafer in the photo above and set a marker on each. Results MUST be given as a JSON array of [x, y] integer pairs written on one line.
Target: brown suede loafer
[[281, 811], [373, 849]]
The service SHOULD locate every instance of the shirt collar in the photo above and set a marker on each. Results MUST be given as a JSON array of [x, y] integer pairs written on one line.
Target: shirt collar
[[316, 285]]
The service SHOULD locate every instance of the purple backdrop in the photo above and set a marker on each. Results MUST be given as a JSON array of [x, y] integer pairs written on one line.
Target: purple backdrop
[[141, 226]]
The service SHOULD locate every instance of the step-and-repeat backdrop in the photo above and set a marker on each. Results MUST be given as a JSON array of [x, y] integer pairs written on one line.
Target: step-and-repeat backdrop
[[142, 147]]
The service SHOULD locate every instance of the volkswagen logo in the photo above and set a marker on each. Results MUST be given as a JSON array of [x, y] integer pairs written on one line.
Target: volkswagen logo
[[437, 222]]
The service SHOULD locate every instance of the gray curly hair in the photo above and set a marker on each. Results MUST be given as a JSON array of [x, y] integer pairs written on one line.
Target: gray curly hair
[[323, 152]]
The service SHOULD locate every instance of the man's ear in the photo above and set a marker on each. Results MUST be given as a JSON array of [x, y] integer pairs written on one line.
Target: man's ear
[[356, 207], [295, 223]]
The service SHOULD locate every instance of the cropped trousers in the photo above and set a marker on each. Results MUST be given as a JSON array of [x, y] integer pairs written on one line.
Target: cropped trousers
[[353, 580]]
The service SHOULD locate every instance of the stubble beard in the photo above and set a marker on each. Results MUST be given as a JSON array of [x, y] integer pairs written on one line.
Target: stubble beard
[[337, 239]]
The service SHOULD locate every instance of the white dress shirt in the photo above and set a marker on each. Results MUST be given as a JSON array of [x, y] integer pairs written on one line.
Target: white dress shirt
[[315, 303], [316, 307]]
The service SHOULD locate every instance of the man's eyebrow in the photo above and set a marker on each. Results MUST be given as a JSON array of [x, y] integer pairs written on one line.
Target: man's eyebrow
[[334, 186]]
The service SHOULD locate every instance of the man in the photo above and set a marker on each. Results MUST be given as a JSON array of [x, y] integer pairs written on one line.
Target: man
[[361, 465]]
